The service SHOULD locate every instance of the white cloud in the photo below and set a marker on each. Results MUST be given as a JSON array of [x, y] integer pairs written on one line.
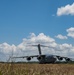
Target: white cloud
[[6, 48], [66, 49], [70, 32], [25, 48], [59, 36], [66, 10]]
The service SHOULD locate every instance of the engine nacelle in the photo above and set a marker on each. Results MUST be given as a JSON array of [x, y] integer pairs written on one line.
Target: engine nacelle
[[39, 57], [67, 59], [28, 58], [60, 58]]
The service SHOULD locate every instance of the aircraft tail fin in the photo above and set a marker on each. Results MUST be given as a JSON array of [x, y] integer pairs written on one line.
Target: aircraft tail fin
[[39, 49]]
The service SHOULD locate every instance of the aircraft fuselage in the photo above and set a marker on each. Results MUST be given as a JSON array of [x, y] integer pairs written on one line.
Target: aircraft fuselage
[[47, 59]]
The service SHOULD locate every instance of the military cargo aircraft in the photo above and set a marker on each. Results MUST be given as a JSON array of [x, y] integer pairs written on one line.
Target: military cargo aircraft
[[43, 59]]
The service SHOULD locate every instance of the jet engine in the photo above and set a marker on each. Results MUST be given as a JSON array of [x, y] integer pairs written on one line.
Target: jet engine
[[60, 58], [39, 57], [28, 58], [67, 59]]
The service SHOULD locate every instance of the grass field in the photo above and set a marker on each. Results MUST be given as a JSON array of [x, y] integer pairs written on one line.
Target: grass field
[[36, 69]]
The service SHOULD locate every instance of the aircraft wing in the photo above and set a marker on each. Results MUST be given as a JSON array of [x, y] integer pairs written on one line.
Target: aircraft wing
[[26, 56], [62, 57]]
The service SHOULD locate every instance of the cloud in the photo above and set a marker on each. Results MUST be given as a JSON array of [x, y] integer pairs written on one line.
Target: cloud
[[66, 10], [70, 32], [6, 50], [59, 36], [25, 48]]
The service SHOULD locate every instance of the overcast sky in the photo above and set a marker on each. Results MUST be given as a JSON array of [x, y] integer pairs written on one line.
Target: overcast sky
[[48, 22]]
